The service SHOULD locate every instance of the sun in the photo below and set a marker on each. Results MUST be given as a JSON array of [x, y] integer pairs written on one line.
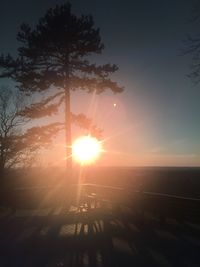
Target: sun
[[86, 149]]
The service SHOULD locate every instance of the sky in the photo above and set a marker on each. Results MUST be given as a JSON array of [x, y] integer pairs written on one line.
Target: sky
[[156, 119]]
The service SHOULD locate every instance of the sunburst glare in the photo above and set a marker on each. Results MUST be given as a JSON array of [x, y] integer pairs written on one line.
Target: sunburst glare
[[86, 149]]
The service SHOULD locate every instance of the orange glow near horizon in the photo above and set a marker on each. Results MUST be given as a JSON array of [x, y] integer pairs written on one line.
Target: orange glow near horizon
[[86, 149]]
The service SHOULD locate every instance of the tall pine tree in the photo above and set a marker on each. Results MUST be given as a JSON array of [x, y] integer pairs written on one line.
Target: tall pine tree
[[53, 58]]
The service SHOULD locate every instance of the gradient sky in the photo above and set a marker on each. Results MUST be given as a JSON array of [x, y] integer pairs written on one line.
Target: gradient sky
[[156, 120]]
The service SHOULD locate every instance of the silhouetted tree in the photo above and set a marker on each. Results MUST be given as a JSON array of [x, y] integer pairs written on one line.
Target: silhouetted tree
[[192, 44], [17, 145], [54, 58]]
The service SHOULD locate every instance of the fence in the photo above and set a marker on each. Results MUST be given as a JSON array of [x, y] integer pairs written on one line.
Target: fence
[[161, 205]]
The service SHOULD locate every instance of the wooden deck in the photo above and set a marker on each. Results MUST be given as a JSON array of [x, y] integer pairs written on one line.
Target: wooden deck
[[101, 235]]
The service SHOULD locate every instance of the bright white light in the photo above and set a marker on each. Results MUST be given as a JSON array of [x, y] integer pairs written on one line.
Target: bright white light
[[86, 149]]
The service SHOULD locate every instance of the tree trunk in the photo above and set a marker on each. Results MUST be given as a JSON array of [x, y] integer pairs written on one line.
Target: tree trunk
[[2, 164], [68, 137]]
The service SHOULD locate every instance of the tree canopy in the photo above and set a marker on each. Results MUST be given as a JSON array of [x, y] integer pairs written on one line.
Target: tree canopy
[[54, 58]]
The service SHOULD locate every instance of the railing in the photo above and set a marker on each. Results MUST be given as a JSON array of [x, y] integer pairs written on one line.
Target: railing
[[162, 205], [171, 206]]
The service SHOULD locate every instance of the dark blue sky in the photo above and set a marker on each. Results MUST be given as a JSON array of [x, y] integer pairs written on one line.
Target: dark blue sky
[[160, 104]]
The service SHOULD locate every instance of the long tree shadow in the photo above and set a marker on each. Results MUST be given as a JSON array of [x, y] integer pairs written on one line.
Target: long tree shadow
[[95, 238]]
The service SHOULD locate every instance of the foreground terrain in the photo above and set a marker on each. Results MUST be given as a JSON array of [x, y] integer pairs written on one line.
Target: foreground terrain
[[100, 236]]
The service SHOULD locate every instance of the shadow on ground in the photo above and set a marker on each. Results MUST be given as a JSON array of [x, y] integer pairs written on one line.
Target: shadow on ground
[[95, 238]]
